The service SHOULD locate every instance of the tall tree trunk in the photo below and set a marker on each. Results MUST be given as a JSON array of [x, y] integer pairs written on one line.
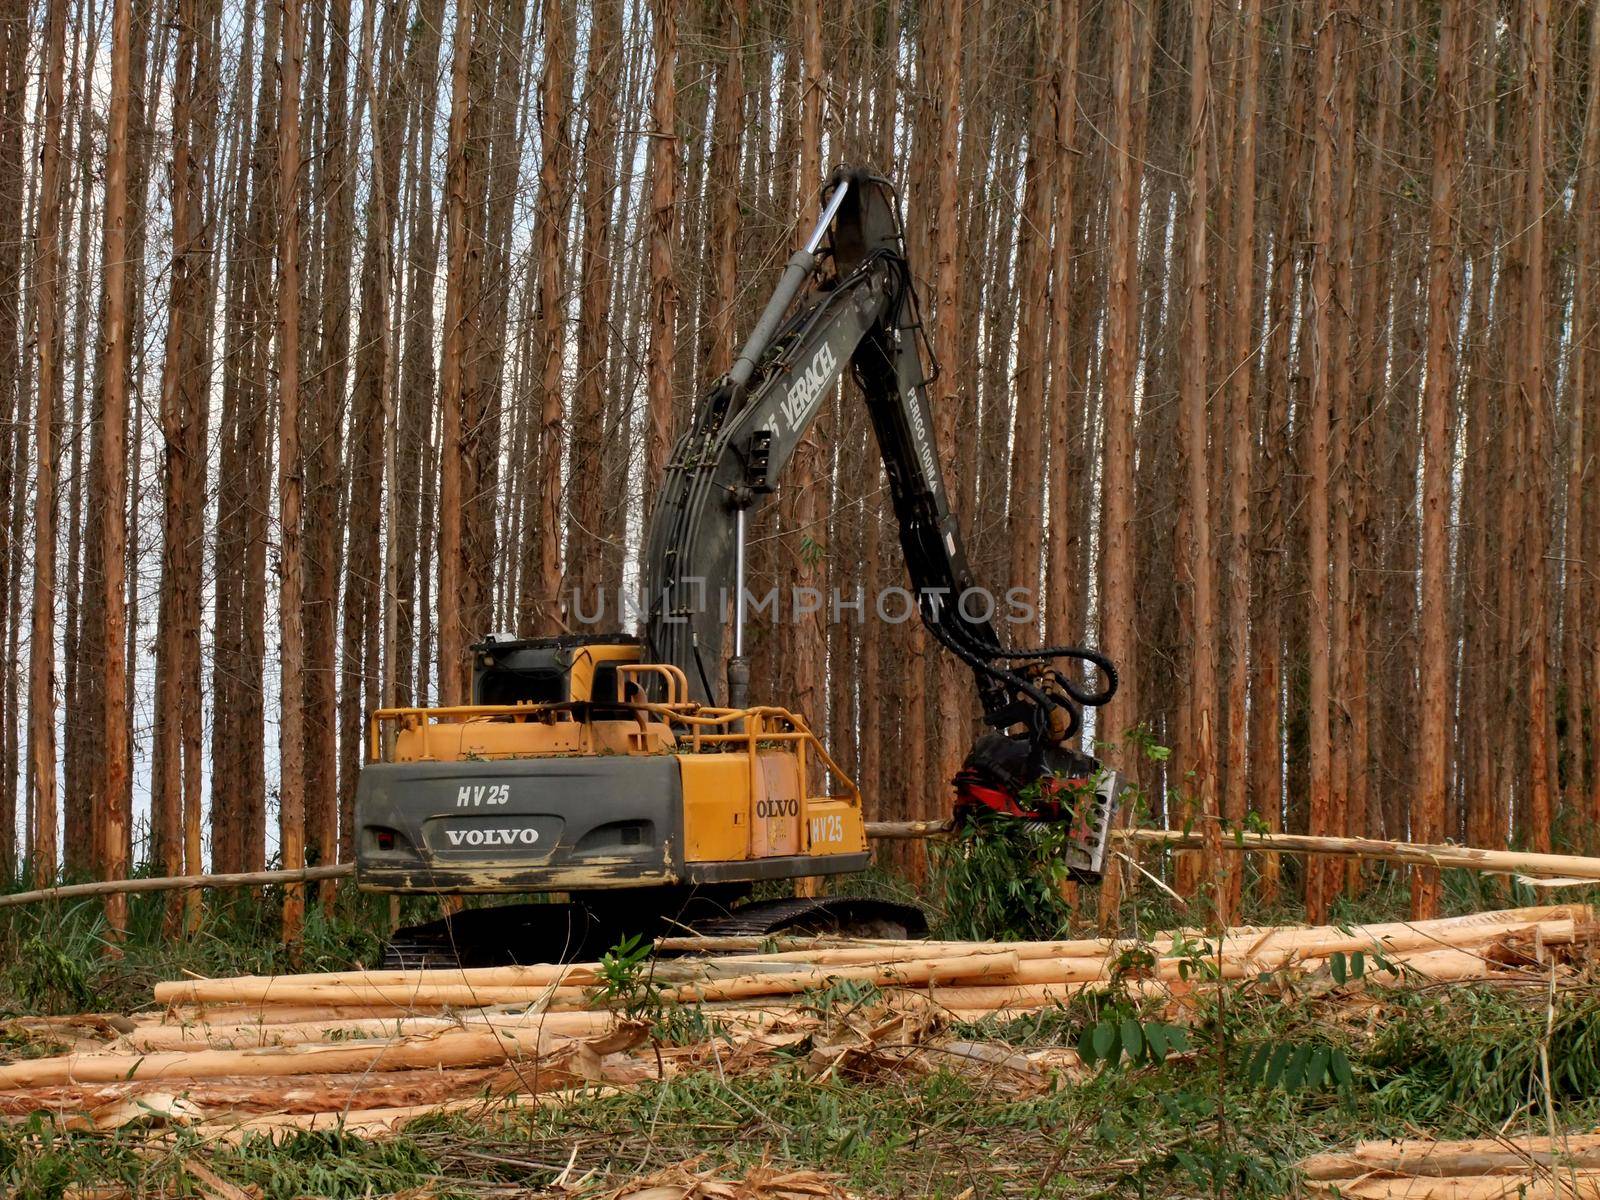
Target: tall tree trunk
[[586, 487], [178, 579], [555, 201], [954, 704], [374, 473], [663, 231], [1341, 430], [379, 267], [799, 504], [78, 815], [1235, 800], [196, 379], [1117, 581], [327, 357], [47, 310], [1267, 626], [1025, 510], [228, 804], [452, 650], [417, 373], [1540, 719], [1444, 305], [1584, 513], [1201, 767], [1371, 391], [114, 789], [1326, 135], [727, 228], [291, 729], [258, 458], [16, 187], [1121, 348]]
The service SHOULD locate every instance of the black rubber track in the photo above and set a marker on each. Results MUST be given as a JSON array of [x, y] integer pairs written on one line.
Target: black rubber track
[[577, 932]]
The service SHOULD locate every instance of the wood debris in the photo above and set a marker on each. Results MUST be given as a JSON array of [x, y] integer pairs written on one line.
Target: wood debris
[[370, 1050]]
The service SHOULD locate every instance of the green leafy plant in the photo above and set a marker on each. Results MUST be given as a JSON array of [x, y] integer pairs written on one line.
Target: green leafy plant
[[1000, 879], [685, 1025], [625, 981], [1112, 1040], [1305, 1066], [844, 993], [1219, 1169], [55, 963]]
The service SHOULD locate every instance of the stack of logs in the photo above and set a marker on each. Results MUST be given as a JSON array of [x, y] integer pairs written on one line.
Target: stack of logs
[[1509, 1167], [371, 1049]]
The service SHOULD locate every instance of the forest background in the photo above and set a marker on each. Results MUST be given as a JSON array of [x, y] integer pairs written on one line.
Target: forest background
[[333, 336]]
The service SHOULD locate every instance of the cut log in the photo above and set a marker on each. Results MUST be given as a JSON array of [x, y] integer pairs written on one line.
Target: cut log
[[178, 883], [274, 987], [461, 1048], [154, 1038], [1575, 1184], [1035, 995], [1325, 938], [421, 992], [379, 997], [285, 1014], [293, 1093], [917, 973], [1473, 1156]]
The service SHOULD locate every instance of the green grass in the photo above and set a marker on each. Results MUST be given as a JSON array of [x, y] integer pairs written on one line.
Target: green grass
[[1459, 1061], [1456, 1061], [38, 1165], [57, 957]]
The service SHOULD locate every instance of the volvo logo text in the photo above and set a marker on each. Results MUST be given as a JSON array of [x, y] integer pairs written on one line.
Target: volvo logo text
[[778, 808], [526, 836]]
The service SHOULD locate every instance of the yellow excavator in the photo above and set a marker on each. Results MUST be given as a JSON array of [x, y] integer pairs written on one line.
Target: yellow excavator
[[612, 774]]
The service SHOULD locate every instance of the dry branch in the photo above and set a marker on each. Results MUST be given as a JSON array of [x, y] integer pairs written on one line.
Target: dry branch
[[169, 883], [1574, 866]]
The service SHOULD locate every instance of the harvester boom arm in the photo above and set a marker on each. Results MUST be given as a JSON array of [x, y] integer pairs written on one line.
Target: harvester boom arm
[[860, 311]]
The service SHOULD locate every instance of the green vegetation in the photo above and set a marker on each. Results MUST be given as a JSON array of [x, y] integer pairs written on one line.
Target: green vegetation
[[1214, 1090], [1192, 1119], [56, 958]]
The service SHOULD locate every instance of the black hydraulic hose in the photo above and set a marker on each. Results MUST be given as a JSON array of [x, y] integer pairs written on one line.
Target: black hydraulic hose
[[982, 661], [700, 667], [1082, 654], [982, 657]]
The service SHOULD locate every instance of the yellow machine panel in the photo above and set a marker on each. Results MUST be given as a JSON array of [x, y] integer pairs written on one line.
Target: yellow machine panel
[[716, 807], [775, 823], [834, 826], [506, 738], [475, 733]]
